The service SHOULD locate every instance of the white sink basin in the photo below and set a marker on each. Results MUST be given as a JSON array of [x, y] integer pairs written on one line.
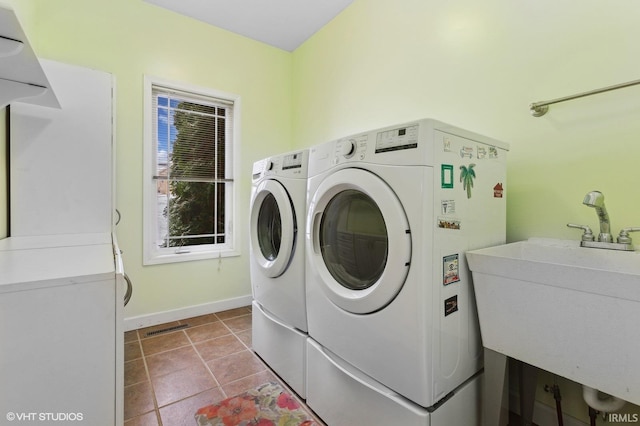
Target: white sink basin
[[566, 309]]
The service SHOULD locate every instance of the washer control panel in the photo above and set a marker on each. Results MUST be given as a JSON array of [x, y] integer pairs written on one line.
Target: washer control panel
[[293, 164], [292, 161]]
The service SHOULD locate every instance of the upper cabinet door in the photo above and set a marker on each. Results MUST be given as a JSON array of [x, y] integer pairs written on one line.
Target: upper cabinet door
[[21, 76], [61, 160]]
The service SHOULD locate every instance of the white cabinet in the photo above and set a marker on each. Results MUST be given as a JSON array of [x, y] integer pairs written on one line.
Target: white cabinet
[[60, 332], [61, 278], [61, 163]]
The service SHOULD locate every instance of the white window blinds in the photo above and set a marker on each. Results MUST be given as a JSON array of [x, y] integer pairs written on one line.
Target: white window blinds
[[191, 136]]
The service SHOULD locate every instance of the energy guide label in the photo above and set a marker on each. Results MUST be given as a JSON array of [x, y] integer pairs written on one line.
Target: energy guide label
[[450, 269]]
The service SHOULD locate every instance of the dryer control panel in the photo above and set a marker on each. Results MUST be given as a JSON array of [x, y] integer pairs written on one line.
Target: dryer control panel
[[392, 143], [353, 147], [397, 139]]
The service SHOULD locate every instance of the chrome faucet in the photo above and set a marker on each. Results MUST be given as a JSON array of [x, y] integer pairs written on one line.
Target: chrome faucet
[[595, 199]]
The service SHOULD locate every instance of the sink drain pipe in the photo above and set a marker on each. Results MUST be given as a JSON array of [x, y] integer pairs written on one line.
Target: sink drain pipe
[[607, 404], [555, 390], [593, 415], [558, 398]]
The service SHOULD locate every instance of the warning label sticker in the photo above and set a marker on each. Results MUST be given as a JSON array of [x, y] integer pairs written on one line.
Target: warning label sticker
[[450, 305]]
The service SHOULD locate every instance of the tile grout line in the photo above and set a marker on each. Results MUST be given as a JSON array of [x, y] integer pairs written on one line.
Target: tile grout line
[[155, 410], [153, 389], [234, 335], [215, 379]]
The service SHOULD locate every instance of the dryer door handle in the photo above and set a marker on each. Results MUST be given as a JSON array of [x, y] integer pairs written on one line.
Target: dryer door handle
[[315, 232]]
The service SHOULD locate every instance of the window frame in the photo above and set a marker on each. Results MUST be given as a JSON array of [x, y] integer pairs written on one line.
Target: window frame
[[152, 254]]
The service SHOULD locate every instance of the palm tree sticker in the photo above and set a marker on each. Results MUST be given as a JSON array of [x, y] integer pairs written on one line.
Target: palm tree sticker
[[467, 174]]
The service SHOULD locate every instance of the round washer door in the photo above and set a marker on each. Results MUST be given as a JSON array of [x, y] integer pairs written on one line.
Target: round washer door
[[273, 228], [360, 240]]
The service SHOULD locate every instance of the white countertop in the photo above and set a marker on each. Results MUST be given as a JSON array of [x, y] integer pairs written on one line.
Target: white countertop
[[36, 262], [62, 240]]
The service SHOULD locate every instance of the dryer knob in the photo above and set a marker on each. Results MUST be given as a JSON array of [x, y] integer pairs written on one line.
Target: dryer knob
[[348, 149], [268, 166]]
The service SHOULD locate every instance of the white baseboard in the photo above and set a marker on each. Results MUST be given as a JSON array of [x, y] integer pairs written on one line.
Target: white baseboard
[[148, 320]]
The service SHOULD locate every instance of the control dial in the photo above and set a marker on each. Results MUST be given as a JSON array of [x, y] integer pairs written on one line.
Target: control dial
[[268, 166], [348, 148]]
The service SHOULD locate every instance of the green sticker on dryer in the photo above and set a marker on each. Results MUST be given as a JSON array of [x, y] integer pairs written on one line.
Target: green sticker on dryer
[[467, 175], [446, 176]]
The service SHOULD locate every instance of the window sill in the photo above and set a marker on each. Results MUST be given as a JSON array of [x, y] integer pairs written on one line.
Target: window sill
[[169, 257]]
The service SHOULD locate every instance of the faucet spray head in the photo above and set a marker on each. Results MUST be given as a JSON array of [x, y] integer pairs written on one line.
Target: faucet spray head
[[595, 199]]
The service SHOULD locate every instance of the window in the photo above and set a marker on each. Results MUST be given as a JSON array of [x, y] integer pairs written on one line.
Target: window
[[190, 139]]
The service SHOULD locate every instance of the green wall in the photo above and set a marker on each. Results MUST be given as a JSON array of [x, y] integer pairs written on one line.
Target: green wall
[[479, 65], [131, 38]]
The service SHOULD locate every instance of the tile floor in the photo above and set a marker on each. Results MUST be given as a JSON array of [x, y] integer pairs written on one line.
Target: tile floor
[[169, 375]]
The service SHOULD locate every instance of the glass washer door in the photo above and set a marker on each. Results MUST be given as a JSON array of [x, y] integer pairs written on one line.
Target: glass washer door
[[273, 228], [360, 240]]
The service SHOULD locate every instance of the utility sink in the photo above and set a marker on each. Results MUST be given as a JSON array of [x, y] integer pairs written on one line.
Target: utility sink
[[566, 309]]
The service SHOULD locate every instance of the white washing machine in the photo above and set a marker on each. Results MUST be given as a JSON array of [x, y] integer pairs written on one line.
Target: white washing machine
[[277, 224], [389, 296]]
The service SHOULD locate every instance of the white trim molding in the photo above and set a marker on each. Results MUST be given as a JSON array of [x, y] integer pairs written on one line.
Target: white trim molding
[[149, 320]]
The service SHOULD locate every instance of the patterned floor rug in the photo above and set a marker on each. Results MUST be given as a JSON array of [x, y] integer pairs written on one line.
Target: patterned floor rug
[[266, 405]]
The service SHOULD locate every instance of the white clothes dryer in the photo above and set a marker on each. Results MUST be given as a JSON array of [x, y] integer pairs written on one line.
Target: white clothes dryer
[[277, 264], [390, 214]]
